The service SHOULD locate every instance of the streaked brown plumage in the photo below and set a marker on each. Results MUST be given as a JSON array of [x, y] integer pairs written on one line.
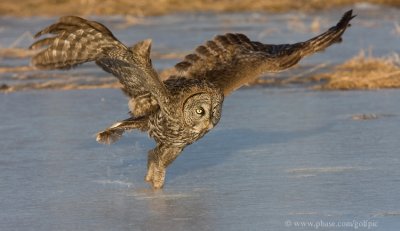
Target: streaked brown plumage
[[186, 106]]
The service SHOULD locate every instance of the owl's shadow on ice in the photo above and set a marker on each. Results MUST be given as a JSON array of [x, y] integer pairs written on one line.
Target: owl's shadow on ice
[[221, 144]]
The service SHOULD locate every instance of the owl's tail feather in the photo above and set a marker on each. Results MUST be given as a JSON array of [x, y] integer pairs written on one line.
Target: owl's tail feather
[[115, 131], [333, 35], [76, 41]]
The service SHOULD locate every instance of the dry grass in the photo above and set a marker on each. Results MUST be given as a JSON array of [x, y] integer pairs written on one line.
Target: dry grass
[[16, 53], [370, 116], [15, 69], [56, 86], [42, 81], [30, 79], [362, 72], [157, 7]]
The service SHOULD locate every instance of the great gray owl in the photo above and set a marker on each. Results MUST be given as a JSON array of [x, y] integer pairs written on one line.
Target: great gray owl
[[182, 109]]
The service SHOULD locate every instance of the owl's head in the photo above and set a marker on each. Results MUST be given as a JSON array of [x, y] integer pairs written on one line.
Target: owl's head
[[202, 110]]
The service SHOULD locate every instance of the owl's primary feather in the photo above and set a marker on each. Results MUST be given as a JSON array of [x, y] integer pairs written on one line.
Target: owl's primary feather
[[232, 60], [183, 108], [78, 40]]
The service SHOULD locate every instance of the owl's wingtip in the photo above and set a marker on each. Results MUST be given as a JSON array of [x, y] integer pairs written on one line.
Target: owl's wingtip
[[143, 47], [346, 18], [148, 41], [144, 44]]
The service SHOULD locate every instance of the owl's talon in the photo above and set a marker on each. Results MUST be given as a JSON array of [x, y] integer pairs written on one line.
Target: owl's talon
[[155, 176], [148, 178], [109, 136], [158, 178], [150, 174]]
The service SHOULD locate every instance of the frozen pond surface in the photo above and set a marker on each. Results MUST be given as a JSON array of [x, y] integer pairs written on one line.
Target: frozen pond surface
[[277, 156]]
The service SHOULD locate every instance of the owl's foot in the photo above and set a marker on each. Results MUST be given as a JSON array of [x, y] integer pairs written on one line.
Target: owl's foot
[[158, 161], [109, 135], [155, 175], [150, 174], [115, 131]]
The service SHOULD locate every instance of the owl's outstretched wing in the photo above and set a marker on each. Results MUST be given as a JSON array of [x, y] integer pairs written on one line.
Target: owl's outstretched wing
[[232, 60], [78, 40]]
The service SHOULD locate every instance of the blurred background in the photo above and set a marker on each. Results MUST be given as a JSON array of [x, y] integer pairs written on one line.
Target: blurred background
[[161, 7], [367, 60]]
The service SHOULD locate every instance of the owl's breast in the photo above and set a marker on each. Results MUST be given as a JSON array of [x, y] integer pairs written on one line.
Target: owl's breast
[[170, 130]]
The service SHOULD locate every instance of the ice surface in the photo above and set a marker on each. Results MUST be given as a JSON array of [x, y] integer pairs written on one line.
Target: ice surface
[[278, 155]]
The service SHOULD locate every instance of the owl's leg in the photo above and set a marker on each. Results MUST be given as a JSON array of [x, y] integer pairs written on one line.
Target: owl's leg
[[115, 131], [151, 160], [158, 160]]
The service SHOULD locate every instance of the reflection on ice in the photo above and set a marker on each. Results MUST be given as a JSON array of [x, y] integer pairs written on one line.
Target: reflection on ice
[[114, 182], [337, 169]]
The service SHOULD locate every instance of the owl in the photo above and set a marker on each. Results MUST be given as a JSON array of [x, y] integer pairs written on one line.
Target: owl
[[182, 109]]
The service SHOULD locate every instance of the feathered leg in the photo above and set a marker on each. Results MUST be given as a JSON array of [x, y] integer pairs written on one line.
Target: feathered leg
[[115, 131], [158, 160]]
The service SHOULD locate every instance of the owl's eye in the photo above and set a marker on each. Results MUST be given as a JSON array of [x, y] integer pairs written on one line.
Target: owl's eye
[[200, 111]]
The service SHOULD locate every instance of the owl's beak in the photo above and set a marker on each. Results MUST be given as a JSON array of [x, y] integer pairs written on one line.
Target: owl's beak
[[212, 123], [214, 120]]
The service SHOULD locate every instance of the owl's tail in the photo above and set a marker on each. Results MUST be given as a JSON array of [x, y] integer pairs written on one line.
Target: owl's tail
[[333, 35], [76, 41]]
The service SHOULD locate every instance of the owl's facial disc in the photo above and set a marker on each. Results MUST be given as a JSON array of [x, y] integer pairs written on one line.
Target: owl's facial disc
[[199, 112]]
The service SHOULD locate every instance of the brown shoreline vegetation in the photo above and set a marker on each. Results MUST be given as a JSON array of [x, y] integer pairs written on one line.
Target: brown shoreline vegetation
[[362, 72], [159, 7]]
